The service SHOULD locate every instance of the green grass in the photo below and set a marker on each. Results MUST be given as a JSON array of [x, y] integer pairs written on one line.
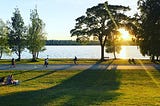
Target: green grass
[[82, 88], [80, 61], [53, 61]]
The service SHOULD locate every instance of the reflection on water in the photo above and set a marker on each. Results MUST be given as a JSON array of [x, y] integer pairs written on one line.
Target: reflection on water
[[92, 52], [123, 52]]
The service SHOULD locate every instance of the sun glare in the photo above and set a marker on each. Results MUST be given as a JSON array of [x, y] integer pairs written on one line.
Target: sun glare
[[124, 34], [123, 53]]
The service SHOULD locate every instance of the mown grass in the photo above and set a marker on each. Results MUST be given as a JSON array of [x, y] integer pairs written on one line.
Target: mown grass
[[82, 88], [80, 61], [53, 61]]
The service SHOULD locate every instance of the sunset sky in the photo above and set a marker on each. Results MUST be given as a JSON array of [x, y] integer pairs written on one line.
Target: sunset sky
[[58, 15]]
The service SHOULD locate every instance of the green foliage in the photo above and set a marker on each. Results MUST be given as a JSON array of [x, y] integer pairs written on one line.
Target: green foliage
[[113, 44], [97, 23], [150, 23], [4, 47], [17, 36], [36, 36]]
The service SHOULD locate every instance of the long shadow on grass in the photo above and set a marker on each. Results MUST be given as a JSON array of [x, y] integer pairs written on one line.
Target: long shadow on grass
[[48, 73], [39, 76], [89, 87], [13, 72]]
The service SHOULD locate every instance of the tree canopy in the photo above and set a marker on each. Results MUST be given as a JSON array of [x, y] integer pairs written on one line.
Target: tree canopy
[[149, 17], [4, 47], [98, 22], [17, 35], [36, 36]]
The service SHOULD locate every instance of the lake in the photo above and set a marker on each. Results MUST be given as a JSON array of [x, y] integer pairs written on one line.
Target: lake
[[89, 52]]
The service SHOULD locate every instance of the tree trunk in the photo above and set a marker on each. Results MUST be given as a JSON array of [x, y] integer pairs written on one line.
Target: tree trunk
[[114, 52], [102, 43], [19, 56], [114, 55], [37, 55], [157, 58], [152, 58], [1, 54], [102, 52], [34, 57]]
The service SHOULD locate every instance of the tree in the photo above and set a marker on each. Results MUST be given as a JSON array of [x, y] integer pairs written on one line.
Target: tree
[[17, 36], [36, 37], [113, 43], [150, 24], [95, 23], [4, 47]]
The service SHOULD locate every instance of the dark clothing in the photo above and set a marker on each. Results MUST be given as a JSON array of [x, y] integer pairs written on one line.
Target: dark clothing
[[9, 79], [75, 60], [46, 62], [2, 79], [13, 62]]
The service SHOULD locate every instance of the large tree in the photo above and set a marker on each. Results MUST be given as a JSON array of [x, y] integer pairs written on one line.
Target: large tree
[[17, 34], [4, 47], [150, 23], [36, 36], [95, 23]]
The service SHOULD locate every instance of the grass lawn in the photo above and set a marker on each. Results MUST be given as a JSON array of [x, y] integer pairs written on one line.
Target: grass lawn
[[82, 88], [80, 61]]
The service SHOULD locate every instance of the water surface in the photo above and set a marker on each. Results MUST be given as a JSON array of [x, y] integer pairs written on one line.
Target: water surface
[[90, 52]]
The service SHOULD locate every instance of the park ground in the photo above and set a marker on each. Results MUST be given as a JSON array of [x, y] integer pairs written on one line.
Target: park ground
[[83, 87]]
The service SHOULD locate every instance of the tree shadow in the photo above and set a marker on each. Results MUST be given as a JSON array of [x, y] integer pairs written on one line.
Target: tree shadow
[[20, 72], [157, 67], [39, 76], [64, 67], [89, 87]]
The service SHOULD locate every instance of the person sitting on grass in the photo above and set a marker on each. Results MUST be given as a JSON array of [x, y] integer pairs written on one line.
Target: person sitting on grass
[[129, 61], [10, 80], [133, 61], [2, 80]]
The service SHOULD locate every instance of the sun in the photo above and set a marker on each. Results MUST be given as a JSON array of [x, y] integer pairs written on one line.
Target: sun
[[124, 34]]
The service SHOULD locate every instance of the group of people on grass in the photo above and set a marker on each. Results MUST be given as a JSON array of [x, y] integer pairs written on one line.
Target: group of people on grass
[[131, 61], [9, 80]]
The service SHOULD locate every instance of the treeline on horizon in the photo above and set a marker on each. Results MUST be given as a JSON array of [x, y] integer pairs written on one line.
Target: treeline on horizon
[[74, 42]]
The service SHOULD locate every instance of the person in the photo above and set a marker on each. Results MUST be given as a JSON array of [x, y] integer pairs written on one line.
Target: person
[[133, 61], [75, 60], [13, 62], [2, 80], [15, 82], [46, 62], [9, 79], [129, 60]]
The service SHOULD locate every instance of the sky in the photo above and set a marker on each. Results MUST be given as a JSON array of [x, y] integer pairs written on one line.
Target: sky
[[58, 15]]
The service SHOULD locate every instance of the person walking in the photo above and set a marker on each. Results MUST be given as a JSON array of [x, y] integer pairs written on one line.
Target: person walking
[[46, 62], [75, 60], [13, 62]]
